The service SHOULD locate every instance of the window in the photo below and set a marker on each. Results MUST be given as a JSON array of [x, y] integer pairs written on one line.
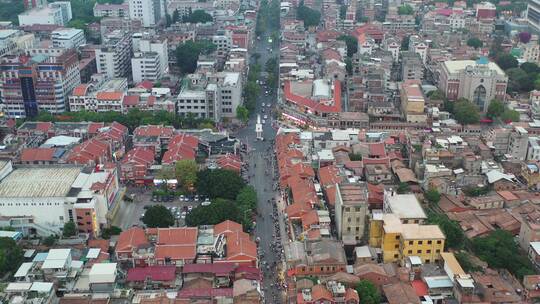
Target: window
[[439, 242], [396, 246], [438, 250], [428, 251], [396, 256], [429, 242], [420, 242], [411, 242], [409, 252], [427, 261], [419, 251], [397, 237]]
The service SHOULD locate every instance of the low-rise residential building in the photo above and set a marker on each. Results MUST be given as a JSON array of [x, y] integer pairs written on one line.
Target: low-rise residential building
[[68, 38]]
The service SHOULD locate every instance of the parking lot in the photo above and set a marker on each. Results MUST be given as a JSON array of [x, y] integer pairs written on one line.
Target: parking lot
[[131, 213]]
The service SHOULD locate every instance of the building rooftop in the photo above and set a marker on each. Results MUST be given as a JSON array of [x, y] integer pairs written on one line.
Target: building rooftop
[[406, 206], [456, 66], [39, 181]]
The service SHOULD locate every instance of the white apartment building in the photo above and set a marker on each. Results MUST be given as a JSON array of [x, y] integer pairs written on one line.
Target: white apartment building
[[114, 57], [150, 12], [44, 15], [216, 97], [111, 10], [65, 7], [518, 143], [145, 43], [533, 150], [68, 38], [146, 66], [533, 14], [100, 95]]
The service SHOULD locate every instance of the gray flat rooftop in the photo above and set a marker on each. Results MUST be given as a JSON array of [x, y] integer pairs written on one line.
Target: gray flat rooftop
[[39, 182]]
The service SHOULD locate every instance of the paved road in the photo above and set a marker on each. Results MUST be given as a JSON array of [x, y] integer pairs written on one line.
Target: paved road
[[261, 169]]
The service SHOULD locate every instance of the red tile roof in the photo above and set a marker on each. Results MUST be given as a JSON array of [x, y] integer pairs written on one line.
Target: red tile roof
[[420, 288], [320, 293], [146, 84], [37, 154], [227, 226], [240, 247], [131, 100], [154, 131], [377, 149], [176, 252], [177, 236], [194, 293], [80, 90], [109, 95], [215, 268], [139, 155], [154, 273], [329, 175], [131, 239], [90, 151], [296, 210]]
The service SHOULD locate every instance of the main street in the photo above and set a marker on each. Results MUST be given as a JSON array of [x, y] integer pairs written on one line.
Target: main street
[[262, 176]]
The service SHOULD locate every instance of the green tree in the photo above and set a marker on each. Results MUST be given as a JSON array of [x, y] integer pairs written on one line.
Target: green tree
[[349, 65], [106, 233], [530, 68], [500, 250], [403, 188], [464, 260], [355, 156], [495, 108], [368, 292], [466, 112], [519, 80], [158, 216], [405, 10], [70, 229], [10, 9], [510, 115], [433, 196], [352, 44], [475, 42], [175, 16], [11, 256], [242, 113], [507, 61], [188, 53], [451, 229], [246, 201], [197, 16], [310, 16], [218, 211], [166, 172], [405, 43], [436, 95], [219, 183], [49, 241], [186, 174]]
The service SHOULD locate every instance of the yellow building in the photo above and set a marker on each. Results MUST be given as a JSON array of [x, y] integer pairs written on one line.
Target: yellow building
[[376, 229], [399, 241]]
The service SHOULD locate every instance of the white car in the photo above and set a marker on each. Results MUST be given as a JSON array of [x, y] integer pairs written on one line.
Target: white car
[[264, 121], [189, 208], [183, 215], [265, 117], [263, 104], [269, 105]]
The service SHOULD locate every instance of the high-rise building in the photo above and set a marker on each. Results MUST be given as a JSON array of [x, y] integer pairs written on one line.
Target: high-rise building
[[533, 14], [39, 81], [114, 57], [150, 12], [146, 66], [65, 7]]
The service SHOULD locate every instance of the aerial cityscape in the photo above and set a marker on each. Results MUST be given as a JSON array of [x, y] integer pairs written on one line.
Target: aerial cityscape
[[269, 151]]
